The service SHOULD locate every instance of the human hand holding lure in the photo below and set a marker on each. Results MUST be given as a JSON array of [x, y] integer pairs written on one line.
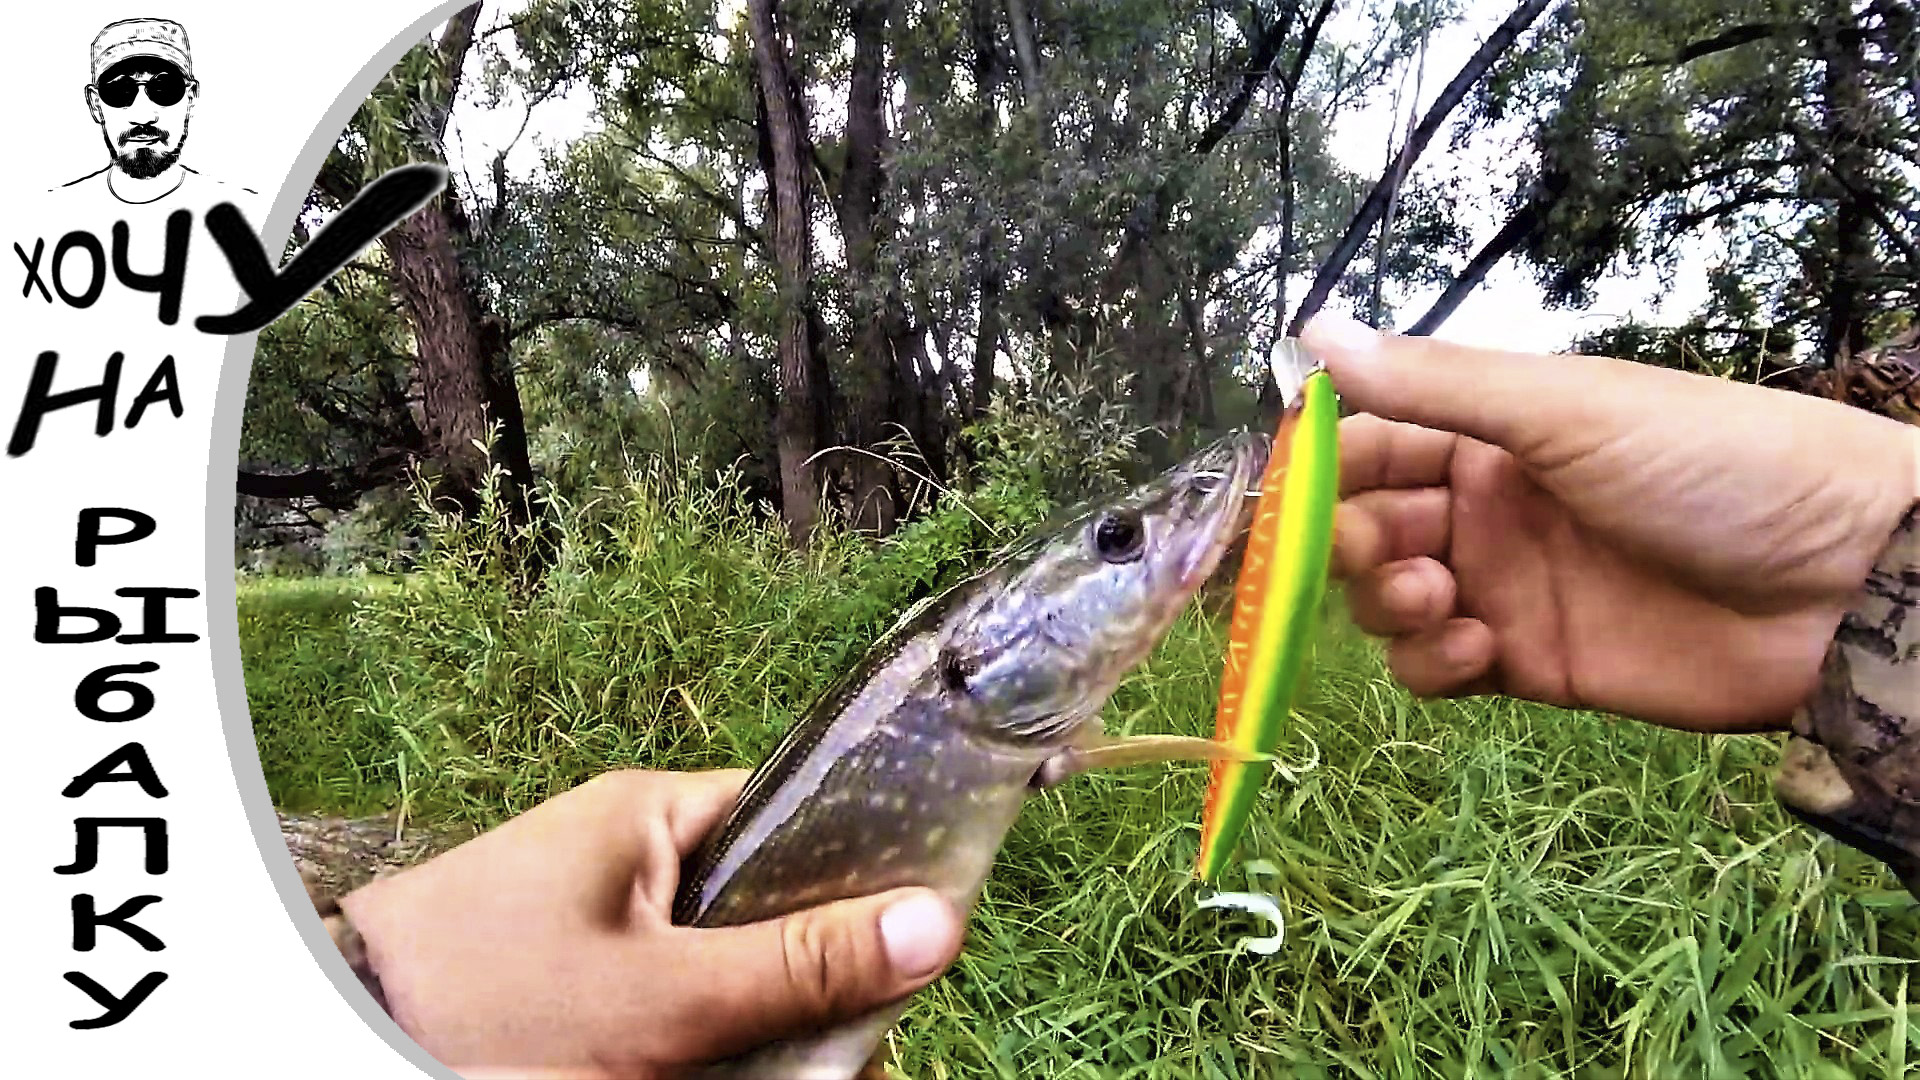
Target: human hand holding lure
[[1283, 577]]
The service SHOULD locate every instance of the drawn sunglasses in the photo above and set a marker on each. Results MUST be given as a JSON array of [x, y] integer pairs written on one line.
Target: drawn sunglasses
[[163, 88]]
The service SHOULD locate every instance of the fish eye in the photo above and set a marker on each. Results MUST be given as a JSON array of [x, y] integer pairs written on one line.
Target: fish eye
[[1119, 536]]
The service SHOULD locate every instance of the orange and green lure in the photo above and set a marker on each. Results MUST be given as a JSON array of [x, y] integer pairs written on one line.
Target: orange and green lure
[[1276, 600]]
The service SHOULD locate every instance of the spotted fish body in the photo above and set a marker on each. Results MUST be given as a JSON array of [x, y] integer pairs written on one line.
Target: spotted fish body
[[911, 770]]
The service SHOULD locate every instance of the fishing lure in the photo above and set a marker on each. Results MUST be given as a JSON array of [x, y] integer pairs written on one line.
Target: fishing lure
[[1283, 577]]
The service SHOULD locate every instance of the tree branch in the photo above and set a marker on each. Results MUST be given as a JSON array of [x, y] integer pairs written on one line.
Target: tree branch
[[1875, 206], [336, 488], [614, 320], [1370, 211], [333, 180], [1518, 226], [1026, 57], [1730, 38], [451, 51], [1308, 39], [1266, 51], [732, 210], [1894, 235], [1686, 222], [570, 314]]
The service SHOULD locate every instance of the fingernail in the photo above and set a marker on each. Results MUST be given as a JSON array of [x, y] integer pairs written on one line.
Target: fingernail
[[919, 934], [1336, 331]]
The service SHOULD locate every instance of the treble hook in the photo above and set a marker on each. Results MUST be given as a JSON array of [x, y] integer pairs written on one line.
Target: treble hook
[[1291, 774], [1260, 904]]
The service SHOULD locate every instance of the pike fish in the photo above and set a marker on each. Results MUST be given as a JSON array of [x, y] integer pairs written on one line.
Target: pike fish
[[911, 770]]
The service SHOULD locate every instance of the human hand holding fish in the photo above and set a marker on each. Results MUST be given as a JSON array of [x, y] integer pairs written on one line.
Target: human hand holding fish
[[543, 949], [546, 943]]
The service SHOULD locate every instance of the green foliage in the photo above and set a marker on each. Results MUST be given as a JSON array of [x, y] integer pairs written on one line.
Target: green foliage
[[639, 249], [378, 535], [262, 551], [1746, 355], [1108, 150], [676, 620], [1756, 130], [1063, 436], [399, 122], [328, 381]]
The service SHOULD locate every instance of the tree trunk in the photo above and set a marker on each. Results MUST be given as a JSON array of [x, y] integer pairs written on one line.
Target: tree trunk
[[1375, 205], [1397, 168], [1845, 121], [1269, 388], [875, 393], [1158, 360], [1195, 388], [986, 344], [461, 364], [800, 414], [470, 403], [451, 353], [503, 406], [894, 381], [924, 415], [987, 340], [1028, 59]]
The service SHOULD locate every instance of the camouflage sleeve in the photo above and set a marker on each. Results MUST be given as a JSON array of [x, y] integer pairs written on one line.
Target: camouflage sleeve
[[345, 937], [1852, 764]]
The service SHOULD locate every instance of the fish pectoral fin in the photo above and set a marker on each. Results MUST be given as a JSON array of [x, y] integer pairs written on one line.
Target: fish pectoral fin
[[1109, 751], [1118, 751]]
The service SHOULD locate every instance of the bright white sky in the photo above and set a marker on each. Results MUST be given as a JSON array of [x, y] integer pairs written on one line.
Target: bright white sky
[[1505, 311]]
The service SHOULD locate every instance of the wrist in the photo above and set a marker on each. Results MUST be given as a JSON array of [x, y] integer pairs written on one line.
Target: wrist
[[346, 938], [1851, 768]]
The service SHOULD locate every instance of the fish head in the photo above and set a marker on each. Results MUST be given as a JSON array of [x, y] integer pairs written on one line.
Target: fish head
[[1069, 614]]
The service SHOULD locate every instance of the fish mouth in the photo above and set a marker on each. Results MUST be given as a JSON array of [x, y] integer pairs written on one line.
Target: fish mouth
[[1224, 475]]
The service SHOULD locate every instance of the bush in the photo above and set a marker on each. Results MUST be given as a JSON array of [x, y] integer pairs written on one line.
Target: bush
[[378, 535], [675, 624], [1057, 436]]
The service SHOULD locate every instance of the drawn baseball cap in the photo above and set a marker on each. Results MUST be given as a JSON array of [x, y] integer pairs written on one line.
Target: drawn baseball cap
[[160, 38]]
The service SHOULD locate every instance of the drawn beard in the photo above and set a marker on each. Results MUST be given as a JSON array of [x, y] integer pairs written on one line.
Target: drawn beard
[[142, 161]]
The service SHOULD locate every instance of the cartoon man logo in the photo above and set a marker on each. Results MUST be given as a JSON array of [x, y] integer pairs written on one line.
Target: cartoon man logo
[[142, 95]]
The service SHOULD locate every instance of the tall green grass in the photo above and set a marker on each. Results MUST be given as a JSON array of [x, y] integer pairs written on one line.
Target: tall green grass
[[1472, 889], [306, 675]]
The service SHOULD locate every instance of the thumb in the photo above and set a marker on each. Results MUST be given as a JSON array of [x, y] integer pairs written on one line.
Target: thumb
[[816, 968], [1518, 401]]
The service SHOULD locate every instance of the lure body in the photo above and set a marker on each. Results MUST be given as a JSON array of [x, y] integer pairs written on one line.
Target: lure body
[[1283, 575]]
